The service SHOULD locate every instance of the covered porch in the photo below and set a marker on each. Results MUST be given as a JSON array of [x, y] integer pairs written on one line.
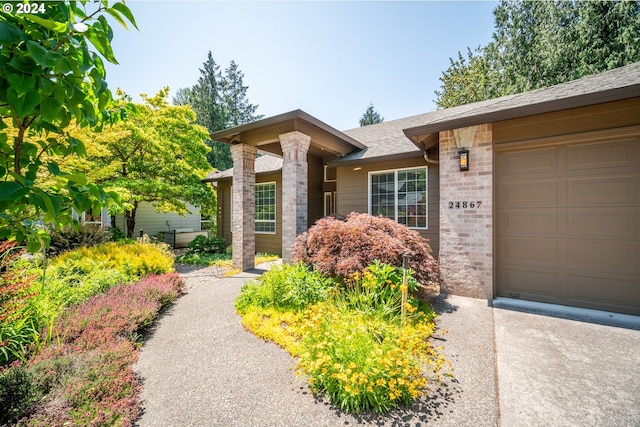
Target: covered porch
[[300, 140]]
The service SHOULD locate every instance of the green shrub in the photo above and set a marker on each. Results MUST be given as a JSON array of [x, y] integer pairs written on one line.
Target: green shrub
[[286, 286], [117, 234], [339, 247], [204, 244], [204, 259], [17, 393]]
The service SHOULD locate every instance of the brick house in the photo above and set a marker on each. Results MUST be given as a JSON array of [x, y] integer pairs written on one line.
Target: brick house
[[533, 196]]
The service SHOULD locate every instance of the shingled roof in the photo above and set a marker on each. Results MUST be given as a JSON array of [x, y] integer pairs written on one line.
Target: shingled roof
[[614, 85], [393, 139]]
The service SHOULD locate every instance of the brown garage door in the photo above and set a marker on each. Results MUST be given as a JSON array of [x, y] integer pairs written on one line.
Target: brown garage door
[[568, 221]]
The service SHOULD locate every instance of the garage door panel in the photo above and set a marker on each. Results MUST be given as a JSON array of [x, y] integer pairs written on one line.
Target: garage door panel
[[602, 255], [621, 223], [534, 252], [568, 227], [601, 155], [602, 190], [600, 292], [534, 162], [541, 222], [529, 281], [530, 193]]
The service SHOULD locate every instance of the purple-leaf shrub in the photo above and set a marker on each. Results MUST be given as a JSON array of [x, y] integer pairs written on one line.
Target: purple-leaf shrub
[[341, 246]]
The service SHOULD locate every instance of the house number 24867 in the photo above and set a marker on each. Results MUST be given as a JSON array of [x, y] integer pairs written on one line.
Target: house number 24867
[[464, 205]]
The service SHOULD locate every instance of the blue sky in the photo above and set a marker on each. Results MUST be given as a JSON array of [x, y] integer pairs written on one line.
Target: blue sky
[[330, 59]]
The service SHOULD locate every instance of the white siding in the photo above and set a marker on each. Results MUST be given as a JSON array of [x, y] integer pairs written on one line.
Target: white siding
[[153, 222]]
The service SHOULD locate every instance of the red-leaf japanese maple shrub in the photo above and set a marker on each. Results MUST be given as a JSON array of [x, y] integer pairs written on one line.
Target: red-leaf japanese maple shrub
[[340, 246]]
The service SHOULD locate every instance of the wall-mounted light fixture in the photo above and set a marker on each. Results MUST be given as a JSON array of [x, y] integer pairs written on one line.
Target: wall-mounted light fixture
[[464, 159], [464, 140]]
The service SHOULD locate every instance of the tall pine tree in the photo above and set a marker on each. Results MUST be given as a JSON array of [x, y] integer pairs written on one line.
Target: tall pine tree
[[219, 101], [370, 116], [234, 95]]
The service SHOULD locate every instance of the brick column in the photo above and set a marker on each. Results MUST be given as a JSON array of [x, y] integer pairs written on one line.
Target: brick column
[[295, 146], [466, 233], [244, 206]]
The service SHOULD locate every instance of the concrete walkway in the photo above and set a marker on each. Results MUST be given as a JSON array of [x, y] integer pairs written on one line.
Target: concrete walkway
[[199, 367]]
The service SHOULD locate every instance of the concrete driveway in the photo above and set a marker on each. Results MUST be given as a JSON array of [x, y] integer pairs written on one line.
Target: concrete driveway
[[560, 372]]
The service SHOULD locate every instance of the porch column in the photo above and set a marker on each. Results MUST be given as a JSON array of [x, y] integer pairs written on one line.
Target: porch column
[[244, 206], [295, 146]]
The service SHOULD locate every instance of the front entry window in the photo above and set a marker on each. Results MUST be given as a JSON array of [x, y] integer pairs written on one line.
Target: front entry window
[[400, 195], [266, 208]]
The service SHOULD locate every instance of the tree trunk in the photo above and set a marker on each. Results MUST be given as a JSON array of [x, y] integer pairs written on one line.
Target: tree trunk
[[130, 219]]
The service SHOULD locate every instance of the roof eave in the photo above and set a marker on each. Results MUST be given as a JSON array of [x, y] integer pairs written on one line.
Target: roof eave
[[583, 100], [270, 127], [353, 162]]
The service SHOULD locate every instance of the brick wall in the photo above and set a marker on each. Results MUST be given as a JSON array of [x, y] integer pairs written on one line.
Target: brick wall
[[466, 233]]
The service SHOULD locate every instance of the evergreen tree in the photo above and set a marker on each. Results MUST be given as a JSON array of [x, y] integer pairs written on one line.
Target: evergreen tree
[[234, 93], [370, 116], [183, 96], [538, 44], [219, 101]]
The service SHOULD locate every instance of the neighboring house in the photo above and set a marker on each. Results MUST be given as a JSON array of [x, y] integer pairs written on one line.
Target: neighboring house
[[548, 210], [151, 223]]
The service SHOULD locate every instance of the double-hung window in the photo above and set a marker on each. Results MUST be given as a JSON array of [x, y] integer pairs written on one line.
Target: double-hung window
[[400, 195], [266, 208]]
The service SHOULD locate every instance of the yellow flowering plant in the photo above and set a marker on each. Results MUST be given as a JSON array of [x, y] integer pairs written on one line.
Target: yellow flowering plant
[[350, 340]]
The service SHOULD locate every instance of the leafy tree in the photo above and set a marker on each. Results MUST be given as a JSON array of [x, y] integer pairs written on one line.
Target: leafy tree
[[158, 155], [220, 101], [467, 80], [371, 116], [51, 77], [539, 44]]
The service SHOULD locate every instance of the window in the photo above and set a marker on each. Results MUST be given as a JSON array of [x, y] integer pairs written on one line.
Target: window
[[330, 174], [400, 195], [329, 203], [266, 208]]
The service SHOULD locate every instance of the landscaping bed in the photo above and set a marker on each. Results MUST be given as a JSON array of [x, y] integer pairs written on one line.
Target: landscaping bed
[[352, 339], [69, 332]]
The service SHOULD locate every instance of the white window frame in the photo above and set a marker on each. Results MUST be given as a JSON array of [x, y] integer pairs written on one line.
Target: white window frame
[[395, 172], [329, 208], [325, 175], [275, 208]]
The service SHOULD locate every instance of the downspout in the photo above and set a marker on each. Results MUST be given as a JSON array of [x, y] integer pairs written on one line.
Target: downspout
[[428, 160]]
